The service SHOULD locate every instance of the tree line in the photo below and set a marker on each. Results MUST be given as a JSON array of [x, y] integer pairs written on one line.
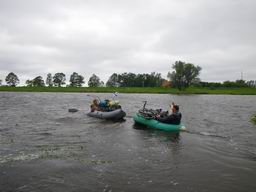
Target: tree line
[[115, 80], [226, 84], [135, 80], [183, 75]]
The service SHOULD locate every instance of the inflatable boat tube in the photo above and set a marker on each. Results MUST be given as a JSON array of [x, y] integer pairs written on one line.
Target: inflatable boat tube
[[152, 123], [113, 115]]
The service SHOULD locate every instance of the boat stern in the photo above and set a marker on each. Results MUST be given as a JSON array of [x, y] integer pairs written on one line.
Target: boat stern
[[183, 128]]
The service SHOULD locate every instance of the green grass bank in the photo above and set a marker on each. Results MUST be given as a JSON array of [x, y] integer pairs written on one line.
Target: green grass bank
[[161, 90]]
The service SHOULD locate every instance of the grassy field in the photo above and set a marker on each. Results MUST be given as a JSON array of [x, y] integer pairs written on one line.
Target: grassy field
[[191, 90]]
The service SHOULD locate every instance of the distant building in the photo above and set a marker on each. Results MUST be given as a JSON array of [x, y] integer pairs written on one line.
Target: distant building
[[166, 83]]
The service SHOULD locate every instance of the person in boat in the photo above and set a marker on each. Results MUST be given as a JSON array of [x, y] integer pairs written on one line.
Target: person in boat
[[104, 105], [173, 118], [94, 105]]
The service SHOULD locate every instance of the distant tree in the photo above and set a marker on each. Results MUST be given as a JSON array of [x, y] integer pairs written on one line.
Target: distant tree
[[76, 80], [113, 81], [49, 81], [38, 82], [228, 84], [251, 83], [237, 83], [207, 84], [127, 80], [94, 81], [169, 75], [191, 73], [154, 79], [140, 80], [12, 79], [102, 83], [184, 74], [124, 79], [59, 79], [130, 77], [0, 82], [135, 80], [241, 83], [29, 83]]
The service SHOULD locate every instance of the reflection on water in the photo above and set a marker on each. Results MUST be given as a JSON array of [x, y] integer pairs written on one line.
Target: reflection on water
[[43, 147]]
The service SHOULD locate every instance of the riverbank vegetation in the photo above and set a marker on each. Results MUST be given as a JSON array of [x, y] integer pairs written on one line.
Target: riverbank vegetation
[[162, 90], [184, 79]]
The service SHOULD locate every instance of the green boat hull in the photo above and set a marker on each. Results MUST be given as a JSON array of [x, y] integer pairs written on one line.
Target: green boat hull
[[158, 125]]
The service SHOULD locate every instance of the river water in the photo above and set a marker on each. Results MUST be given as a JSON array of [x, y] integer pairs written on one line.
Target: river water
[[43, 147]]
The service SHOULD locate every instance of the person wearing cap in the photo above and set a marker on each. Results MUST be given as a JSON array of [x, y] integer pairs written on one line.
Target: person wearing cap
[[173, 118]]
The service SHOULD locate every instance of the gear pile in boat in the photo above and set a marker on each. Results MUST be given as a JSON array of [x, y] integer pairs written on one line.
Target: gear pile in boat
[[151, 113], [106, 109], [109, 105], [106, 105], [158, 119]]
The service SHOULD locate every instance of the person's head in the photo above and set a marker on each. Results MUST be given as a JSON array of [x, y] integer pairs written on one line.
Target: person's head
[[95, 102], [175, 108]]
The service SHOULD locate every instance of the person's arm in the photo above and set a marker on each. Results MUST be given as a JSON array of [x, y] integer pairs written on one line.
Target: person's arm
[[92, 108], [164, 119], [169, 119]]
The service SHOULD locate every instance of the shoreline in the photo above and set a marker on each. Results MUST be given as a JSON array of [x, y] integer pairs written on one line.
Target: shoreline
[[143, 90]]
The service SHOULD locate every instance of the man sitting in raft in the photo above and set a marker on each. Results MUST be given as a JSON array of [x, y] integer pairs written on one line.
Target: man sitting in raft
[[94, 105], [100, 105], [173, 118]]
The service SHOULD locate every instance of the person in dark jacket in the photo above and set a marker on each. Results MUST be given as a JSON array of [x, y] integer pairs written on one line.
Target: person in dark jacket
[[173, 118]]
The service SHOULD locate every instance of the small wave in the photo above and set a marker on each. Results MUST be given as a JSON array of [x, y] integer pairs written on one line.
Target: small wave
[[47, 152], [4, 129], [208, 134], [65, 119], [45, 134], [19, 157]]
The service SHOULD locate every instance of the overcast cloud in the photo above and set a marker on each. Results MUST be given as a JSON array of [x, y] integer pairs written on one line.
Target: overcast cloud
[[140, 36]]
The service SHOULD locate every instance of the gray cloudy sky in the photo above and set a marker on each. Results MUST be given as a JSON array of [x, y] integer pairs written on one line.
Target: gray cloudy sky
[[140, 36]]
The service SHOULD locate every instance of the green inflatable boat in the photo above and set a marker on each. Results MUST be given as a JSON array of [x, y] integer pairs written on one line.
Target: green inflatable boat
[[158, 125]]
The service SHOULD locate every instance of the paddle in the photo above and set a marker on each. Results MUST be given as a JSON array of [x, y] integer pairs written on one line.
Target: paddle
[[145, 103]]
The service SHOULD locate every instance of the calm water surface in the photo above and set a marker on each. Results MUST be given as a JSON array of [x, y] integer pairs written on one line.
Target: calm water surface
[[43, 147]]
